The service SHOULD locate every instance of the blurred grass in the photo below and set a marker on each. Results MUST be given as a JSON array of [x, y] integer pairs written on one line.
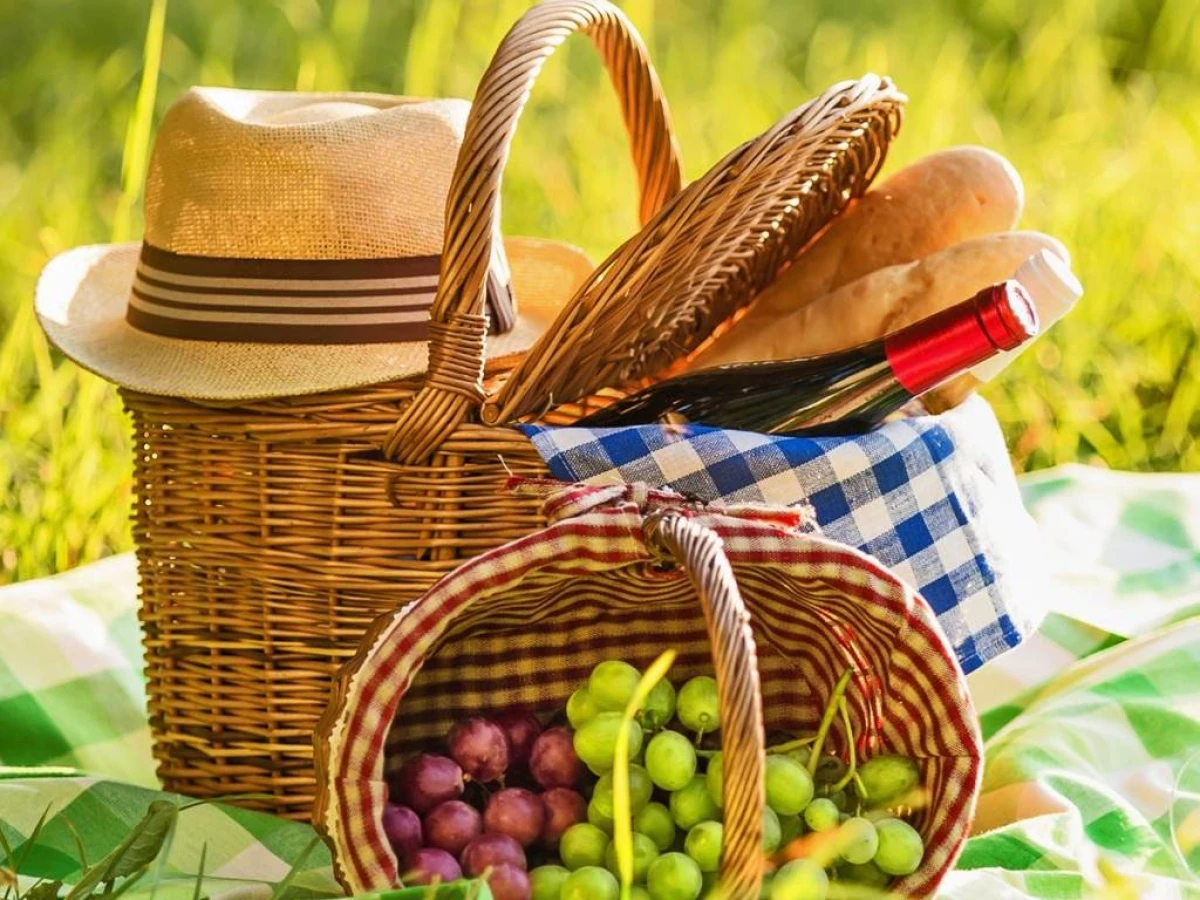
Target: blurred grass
[[1097, 102]]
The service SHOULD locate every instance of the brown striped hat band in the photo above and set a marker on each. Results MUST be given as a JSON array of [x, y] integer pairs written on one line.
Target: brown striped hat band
[[292, 301]]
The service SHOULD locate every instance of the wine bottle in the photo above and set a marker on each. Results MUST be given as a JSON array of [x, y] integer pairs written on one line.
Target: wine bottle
[[1053, 289], [839, 393]]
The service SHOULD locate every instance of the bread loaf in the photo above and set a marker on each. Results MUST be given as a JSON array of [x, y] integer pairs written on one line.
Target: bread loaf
[[562, 266], [893, 297], [941, 199]]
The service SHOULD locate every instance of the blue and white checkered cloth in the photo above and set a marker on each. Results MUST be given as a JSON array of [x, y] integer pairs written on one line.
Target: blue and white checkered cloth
[[933, 498]]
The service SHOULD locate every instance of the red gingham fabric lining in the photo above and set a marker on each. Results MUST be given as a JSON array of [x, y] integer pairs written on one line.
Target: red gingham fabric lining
[[523, 624]]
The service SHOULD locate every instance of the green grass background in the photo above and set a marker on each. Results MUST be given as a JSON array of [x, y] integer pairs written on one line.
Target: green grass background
[[1097, 102]]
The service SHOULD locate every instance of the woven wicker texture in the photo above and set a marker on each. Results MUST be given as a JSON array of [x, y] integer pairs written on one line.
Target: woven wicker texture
[[715, 246], [524, 625], [271, 533]]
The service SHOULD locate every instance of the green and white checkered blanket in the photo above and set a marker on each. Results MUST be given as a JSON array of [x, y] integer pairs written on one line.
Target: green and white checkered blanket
[[1092, 784]]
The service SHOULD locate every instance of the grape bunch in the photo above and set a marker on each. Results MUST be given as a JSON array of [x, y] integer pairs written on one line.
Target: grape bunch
[[554, 839], [464, 813]]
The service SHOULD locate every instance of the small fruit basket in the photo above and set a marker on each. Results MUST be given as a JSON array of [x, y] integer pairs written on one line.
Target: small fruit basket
[[812, 716]]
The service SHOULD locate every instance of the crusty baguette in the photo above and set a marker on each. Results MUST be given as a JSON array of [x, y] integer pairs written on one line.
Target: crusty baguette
[[890, 298], [545, 276], [942, 199]]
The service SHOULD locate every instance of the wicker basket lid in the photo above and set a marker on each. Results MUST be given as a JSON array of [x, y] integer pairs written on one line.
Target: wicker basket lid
[[781, 616], [710, 250]]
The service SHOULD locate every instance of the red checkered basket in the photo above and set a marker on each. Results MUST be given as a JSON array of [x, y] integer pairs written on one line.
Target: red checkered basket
[[618, 572]]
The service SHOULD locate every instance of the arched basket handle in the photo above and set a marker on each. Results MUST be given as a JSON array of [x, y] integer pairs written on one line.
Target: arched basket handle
[[699, 552], [458, 326]]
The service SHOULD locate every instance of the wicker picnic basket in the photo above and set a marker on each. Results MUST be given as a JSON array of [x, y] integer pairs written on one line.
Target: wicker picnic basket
[[271, 533], [617, 574]]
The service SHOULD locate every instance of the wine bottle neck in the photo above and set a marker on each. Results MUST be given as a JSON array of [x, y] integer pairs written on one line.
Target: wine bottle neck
[[922, 356]]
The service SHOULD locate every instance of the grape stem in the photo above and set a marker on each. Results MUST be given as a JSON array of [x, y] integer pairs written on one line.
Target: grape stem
[[839, 690], [792, 745], [860, 787], [852, 771]]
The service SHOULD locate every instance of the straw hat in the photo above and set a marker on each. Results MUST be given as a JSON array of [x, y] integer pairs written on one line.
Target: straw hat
[[291, 246]]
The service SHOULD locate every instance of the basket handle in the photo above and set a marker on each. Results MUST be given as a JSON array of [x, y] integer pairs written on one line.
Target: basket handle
[[699, 552], [458, 326]]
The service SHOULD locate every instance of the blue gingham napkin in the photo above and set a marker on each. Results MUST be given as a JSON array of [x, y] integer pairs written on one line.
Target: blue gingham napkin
[[932, 497]]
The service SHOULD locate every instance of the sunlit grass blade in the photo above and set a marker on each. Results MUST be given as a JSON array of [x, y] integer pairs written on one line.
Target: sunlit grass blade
[[18, 862], [622, 804], [198, 889], [137, 136], [79, 848], [297, 867]]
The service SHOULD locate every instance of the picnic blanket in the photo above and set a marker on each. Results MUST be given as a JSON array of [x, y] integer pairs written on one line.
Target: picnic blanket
[[1091, 788]]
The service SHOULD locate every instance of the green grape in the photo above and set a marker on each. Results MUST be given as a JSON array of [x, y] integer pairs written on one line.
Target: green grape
[[866, 874], [581, 707], [703, 844], [691, 805], [656, 822], [799, 754], [697, 705], [591, 883], [612, 684], [789, 786], [900, 847], [861, 840], [772, 830], [546, 882], [670, 760], [638, 892], [714, 778], [708, 886], [830, 769], [888, 778], [640, 789], [801, 879], [597, 818], [659, 706], [644, 852], [839, 799], [790, 828], [674, 876], [583, 845], [821, 815], [596, 740]]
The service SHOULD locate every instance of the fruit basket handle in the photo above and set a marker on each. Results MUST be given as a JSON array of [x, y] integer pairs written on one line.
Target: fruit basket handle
[[458, 326], [699, 552]]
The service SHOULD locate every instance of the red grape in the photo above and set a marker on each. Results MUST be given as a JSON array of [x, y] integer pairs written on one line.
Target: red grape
[[564, 808], [553, 761], [480, 747], [491, 849], [521, 727], [403, 829], [517, 813], [427, 780], [452, 825], [430, 864], [509, 883]]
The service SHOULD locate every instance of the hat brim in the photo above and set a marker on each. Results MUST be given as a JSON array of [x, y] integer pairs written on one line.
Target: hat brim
[[81, 301]]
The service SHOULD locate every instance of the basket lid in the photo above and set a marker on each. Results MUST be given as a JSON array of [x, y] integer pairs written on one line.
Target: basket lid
[[523, 624], [709, 250]]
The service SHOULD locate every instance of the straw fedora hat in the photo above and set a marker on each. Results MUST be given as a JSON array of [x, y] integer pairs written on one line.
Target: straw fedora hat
[[291, 246]]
